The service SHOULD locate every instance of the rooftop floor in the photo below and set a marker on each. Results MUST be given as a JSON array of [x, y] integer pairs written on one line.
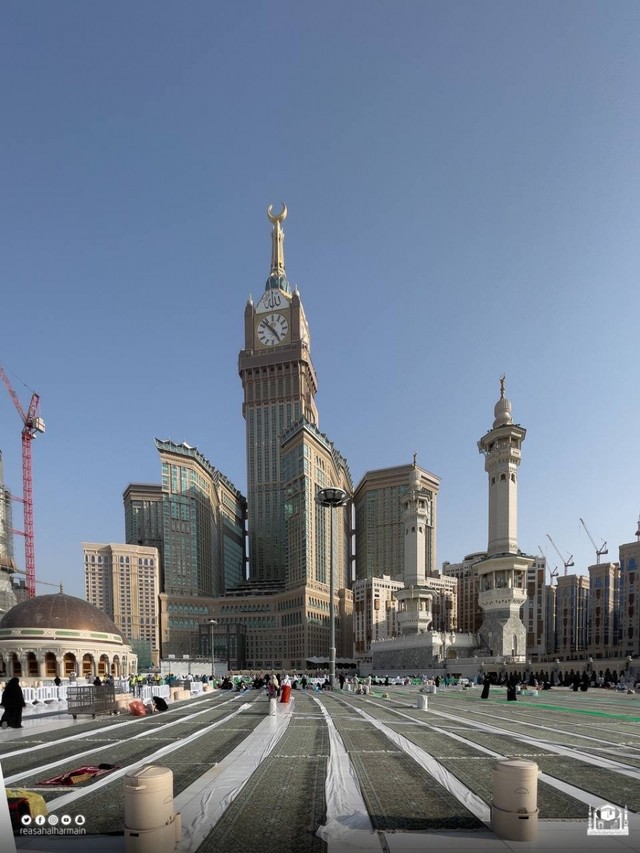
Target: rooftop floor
[[338, 772]]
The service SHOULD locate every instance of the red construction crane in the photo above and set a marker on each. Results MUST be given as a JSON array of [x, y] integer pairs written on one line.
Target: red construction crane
[[32, 424]]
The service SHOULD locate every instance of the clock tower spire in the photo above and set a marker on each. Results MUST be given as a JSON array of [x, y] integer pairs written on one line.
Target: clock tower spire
[[277, 277]]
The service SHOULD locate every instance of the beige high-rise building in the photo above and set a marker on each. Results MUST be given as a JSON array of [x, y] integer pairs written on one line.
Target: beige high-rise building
[[629, 592], [604, 609], [572, 613], [375, 613], [444, 602], [380, 526], [469, 612], [123, 582], [534, 610]]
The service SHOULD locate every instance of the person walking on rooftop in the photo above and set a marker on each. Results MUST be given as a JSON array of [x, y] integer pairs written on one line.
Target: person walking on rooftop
[[13, 703]]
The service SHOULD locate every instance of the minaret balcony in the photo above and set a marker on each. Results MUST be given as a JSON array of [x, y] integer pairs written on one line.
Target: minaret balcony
[[502, 597]]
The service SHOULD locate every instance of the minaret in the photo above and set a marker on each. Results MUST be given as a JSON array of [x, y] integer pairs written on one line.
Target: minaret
[[417, 518], [503, 574], [279, 383], [415, 601]]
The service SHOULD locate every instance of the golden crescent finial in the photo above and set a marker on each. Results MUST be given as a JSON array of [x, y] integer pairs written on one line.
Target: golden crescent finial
[[278, 217]]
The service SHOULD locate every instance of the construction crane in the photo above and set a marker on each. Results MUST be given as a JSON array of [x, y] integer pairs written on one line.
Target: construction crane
[[566, 563], [599, 551], [45, 583], [32, 424], [552, 573]]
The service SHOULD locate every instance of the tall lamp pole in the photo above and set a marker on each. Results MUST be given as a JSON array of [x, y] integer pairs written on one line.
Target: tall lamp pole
[[334, 498], [212, 622]]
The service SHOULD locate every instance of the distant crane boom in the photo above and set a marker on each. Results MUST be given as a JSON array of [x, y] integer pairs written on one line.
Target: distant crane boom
[[32, 424], [566, 563], [599, 551], [553, 573], [46, 583]]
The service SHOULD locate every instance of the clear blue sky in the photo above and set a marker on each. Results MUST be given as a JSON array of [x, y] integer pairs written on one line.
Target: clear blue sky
[[463, 184]]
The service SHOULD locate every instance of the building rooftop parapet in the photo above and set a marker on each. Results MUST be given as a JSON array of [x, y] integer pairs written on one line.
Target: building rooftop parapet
[[486, 558], [185, 449], [304, 424]]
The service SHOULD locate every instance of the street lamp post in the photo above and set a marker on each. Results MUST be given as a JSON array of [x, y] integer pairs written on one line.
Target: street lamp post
[[334, 498], [212, 622]]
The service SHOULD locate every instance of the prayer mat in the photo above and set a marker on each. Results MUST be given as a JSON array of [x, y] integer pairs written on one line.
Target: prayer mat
[[79, 775]]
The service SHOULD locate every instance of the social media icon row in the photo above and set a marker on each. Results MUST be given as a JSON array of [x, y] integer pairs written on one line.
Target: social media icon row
[[52, 820]]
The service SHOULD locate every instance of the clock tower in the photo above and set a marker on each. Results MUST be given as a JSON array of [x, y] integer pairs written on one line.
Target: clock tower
[[280, 385]]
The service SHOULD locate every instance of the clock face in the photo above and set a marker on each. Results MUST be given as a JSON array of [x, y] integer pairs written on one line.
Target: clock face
[[272, 329]]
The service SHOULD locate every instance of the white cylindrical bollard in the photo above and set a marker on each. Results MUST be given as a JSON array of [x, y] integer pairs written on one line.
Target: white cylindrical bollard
[[422, 702], [149, 821], [514, 809], [273, 706]]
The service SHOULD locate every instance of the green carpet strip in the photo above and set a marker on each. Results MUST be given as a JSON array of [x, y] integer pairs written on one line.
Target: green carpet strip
[[283, 803]]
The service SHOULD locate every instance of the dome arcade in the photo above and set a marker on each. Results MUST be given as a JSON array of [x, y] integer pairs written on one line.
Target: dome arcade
[[58, 634]]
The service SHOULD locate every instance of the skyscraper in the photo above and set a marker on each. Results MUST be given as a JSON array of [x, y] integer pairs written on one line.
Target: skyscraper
[[380, 526], [280, 385], [291, 547], [203, 524], [143, 518], [123, 582], [196, 519]]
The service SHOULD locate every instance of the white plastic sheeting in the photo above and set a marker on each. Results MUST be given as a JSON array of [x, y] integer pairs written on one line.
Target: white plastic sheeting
[[550, 746], [204, 802], [147, 732], [348, 826], [448, 781], [59, 802]]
